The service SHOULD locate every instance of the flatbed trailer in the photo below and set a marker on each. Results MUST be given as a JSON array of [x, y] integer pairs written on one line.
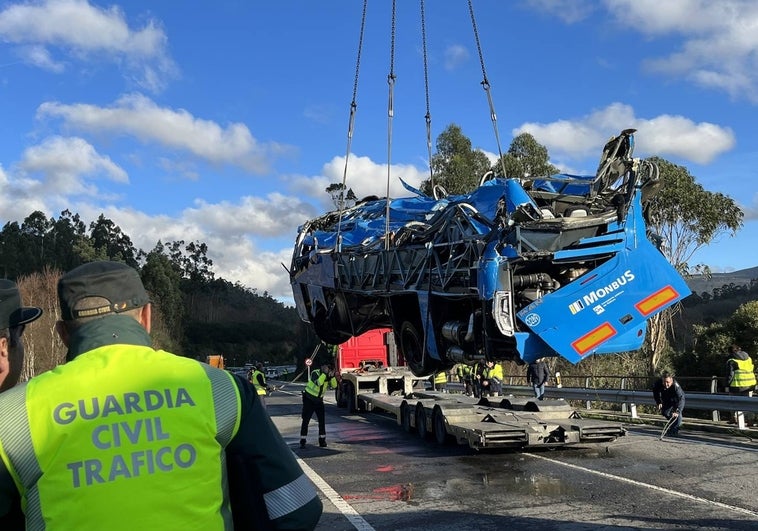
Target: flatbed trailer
[[482, 423]]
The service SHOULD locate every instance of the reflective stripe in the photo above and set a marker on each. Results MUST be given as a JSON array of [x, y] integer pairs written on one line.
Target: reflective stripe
[[227, 415], [17, 445], [227, 411], [289, 497]]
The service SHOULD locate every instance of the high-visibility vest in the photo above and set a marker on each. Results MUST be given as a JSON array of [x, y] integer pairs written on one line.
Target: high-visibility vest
[[496, 372], [744, 375], [260, 388], [440, 378], [125, 423], [318, 383]]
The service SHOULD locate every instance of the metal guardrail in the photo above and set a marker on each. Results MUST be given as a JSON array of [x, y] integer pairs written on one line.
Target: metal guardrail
[[631, 399]]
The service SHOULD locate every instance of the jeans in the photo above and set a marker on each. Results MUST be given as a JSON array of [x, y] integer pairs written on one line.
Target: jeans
[[668, 413], [539, 390]]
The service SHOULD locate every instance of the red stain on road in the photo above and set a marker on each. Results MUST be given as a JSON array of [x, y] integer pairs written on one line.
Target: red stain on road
[[385, 468]]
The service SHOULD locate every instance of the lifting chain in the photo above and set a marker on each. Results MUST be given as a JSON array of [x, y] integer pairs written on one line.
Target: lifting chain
[[390, 114], [486, 85], [428, 115], [351, 122]]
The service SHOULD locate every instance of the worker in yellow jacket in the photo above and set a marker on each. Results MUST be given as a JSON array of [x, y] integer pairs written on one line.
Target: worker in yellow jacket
[[493, 383], [440, 381], [313, 402], [123, 436]]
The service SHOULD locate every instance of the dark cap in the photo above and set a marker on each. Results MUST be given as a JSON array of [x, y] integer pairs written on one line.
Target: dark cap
[[114, 281], [11, 311]]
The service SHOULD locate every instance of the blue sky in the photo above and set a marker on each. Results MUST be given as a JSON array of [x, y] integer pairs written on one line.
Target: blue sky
[[225, 121]]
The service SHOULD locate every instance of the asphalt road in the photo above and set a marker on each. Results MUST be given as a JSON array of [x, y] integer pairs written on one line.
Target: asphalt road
[[373, 475]]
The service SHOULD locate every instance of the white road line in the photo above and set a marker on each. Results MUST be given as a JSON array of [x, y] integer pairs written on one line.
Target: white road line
[[342, 506], [646, 485]]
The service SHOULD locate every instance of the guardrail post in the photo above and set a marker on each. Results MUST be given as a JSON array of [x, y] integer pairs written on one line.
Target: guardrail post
[[624, 406], [740, 419], [715, 415], [587, 386]]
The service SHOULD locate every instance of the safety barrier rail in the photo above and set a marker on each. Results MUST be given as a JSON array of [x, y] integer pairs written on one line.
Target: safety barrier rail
[[632, 398]]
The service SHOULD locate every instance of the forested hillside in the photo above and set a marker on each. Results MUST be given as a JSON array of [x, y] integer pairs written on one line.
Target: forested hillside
[[195, 313]]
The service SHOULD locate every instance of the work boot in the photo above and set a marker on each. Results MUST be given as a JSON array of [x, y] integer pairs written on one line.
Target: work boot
[[302, 443], [322, 442]]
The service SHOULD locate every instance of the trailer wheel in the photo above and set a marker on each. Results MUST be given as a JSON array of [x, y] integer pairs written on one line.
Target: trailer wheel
[[438, 426], [413, 349], [405, 417], [339, 396], [421, 420], [350, 396]]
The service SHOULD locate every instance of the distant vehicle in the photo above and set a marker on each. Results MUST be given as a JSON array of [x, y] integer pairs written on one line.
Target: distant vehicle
[[215, 360], [518, 269]]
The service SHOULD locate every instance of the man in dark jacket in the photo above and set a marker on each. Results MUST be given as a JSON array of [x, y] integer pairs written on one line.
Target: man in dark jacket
[[537, 374], [669, 397]]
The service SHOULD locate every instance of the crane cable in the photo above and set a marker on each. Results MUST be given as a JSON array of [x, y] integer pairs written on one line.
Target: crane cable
[[351, 125], [428, 115], [390, 113], [486, 86]]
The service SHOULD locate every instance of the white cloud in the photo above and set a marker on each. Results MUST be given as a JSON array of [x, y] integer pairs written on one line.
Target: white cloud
[[40, 57], [65, 165], [664, 135], [364, 176], [716, 42], [455, 56], [720, 45], [570, 11], [140, 117], [86, 32], [231, 243], [271, 216]]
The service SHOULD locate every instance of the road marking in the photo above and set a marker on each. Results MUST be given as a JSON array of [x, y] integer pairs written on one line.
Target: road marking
[[646, 485], [342, 506]]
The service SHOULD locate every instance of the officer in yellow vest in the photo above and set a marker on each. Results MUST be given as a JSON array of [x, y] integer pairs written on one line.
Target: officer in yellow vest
[[258, 379], [313, 402], [741, 373], [13, 320], [440, 381], [493, 383], [124, 436], [464, 373]]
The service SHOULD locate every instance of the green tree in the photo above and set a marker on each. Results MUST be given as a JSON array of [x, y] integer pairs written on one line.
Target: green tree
[[68, 235], [162, 281], [34, 230], [456, 166], [10, 250], [687, 217], [711, 343], [108, 237], [525, 158]]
